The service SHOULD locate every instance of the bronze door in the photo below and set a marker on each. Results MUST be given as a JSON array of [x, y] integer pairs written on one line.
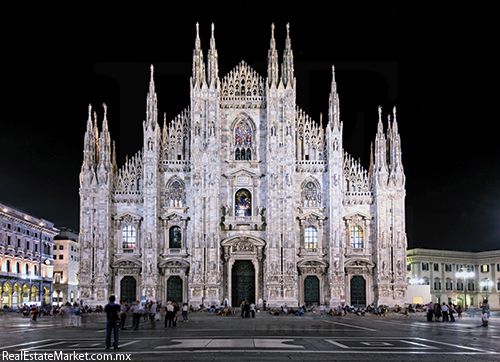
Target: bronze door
[[174, 289], [358, 291], [243, 282], [311, 291], [128, 289]]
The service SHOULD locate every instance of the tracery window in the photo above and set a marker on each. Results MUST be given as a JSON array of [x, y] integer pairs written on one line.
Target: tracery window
[[310, 195], [243, 203], [175, 237], [128, 238], [175, 195], [242, 141], [356, 237], [311, 238]]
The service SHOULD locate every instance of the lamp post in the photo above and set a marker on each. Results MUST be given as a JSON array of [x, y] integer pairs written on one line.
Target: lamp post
[[465, 274], [486, 283]]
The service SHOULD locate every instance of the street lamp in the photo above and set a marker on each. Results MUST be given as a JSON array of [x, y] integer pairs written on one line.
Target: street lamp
[[486, 283], [465, 274]]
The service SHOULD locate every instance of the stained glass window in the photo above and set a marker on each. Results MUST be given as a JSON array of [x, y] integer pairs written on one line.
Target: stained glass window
[[176, 195], [243, 203], [175, 239], [311, 237], [243, 141], [128, 238], [356, 237], [310, 197]]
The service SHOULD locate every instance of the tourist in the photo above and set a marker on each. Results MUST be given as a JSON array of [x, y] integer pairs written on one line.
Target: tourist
[[112, 322], [252, 309], [135, 309], [185, 309], [169, 319], [437, 312], [451, 311], [485, 313], [430, 311], [444, 312], [123, 314]]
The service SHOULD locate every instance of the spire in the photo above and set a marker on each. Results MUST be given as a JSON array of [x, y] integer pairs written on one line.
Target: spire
[[380, 146], [334, 110], [151, 81], [213, 67], [89, 142], [397, 173], [287, 66], [105, 120], [104, 144], [152, 103], [272, 62], [198, 66]]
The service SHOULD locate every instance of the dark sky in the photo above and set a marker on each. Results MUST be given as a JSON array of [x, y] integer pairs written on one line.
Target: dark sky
[[434, 66]]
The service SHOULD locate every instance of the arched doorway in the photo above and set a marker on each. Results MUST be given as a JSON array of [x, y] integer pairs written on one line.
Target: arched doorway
[[35, 295], [17, 295], [243, 282], [26, 293], [174, 289], [7, 295], [311, 290], [128, 289], [358, 291]]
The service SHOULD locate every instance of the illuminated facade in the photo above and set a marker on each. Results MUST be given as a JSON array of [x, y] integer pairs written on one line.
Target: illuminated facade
[[441, 270], [243, 196], [66, 266], [26, 261]]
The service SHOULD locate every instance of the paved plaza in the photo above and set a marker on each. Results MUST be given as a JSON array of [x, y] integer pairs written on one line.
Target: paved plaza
[[208, 337]]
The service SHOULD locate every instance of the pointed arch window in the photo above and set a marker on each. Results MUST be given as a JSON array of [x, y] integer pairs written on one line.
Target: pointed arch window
[[175, 195], [243, 141], [310, 195], [356, 237], [128, 238], [311, 238]]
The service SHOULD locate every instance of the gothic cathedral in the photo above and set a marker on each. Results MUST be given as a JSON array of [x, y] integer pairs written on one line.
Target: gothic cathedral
[[243, 197]]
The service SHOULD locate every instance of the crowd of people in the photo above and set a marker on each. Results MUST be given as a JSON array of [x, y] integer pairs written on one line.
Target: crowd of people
[[436, 311]]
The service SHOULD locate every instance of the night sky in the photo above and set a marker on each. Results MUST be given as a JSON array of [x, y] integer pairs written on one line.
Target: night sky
[[435, 67]]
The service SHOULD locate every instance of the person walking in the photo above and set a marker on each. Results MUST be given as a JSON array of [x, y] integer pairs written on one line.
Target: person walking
[[437, 311], [252, 309], [243, 309], [113, 321], [451, 311], [169, 318], [136, 315], [123, 314], [444, 312], [185, 309], [152, 314], [430, 311]]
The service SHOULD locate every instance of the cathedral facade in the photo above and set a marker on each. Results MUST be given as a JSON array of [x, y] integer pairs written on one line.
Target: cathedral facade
[[243, 197]]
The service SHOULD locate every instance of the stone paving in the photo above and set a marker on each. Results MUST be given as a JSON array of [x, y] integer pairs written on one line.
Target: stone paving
[[311, 337]]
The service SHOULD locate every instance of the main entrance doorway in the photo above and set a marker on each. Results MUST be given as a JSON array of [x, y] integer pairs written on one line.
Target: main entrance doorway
[[311, 290], [243, 282], [358, 291], [128, 286], [174, 289]]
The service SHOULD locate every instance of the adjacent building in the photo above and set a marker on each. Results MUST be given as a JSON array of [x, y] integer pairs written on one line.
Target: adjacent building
[[457, 276], [66, 267], [26, 244], [243, 196]]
